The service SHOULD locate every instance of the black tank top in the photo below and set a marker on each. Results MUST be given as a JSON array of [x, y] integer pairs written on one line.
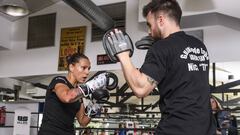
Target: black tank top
[[58, 117]]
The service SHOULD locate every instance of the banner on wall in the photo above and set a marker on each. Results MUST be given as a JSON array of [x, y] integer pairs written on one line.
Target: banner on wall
[[72, 40], [103, 59], [22, 120]]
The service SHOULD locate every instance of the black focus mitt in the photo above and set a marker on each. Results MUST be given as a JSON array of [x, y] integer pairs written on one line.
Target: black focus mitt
[[144, 43], [115, 41]]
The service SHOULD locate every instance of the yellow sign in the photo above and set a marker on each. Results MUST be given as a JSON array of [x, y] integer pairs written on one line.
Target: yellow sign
[[72, 41]]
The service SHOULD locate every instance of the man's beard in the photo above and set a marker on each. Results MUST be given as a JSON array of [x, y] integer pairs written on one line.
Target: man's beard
[[158, 35]]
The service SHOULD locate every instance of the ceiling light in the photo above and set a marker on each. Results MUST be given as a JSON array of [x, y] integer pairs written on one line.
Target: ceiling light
[[14, 7]]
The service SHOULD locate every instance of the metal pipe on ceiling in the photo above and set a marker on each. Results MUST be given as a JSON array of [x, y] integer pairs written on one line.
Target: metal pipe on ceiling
[[92, 12]]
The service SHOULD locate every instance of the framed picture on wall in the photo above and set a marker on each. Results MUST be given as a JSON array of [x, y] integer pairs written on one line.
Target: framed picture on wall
[[72, 40]]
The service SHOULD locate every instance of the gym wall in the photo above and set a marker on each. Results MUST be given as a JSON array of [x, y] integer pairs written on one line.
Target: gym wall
[[221, 42], [5, 34]]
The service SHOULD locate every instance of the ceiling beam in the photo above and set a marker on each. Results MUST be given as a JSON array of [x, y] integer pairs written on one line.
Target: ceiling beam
[[155, 105], [121, 91], [225, 87], [7, 90], [125, 98], [40, 85], [210, 19]]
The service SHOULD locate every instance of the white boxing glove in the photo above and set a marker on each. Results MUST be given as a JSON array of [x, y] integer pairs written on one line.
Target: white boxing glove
[[98, 82], [91, 108]]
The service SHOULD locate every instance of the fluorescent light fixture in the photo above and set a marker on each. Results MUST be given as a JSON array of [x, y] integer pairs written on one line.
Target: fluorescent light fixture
[[14, 7]]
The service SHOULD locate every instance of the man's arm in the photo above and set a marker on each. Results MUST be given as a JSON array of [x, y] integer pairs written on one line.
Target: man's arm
[[140, 83], [118, 44]]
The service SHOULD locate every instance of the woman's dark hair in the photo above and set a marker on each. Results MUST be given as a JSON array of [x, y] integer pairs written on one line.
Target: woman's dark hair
[[170, 7], [74, 58]]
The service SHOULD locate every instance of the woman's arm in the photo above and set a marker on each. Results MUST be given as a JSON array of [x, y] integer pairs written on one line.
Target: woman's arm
[[83, 119], [65, 94]]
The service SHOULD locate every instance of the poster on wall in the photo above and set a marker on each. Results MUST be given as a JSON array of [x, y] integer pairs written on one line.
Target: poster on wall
[[22, 119], [72, 40], [103, 59]]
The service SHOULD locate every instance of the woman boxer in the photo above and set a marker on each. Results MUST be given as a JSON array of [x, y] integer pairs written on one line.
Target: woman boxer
[[64, 98]]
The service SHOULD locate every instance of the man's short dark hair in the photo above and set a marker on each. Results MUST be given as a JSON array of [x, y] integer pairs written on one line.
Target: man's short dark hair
[[170, 7]]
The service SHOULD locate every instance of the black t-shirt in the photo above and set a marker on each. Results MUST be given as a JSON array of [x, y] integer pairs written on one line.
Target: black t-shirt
[[180, 64], [58, 117]]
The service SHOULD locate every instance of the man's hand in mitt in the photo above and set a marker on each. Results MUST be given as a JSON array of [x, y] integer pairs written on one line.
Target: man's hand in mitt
[[115, 42]]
